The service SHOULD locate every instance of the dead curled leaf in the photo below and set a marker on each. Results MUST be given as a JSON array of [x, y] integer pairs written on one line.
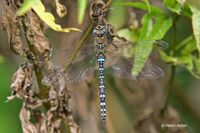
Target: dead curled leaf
[[38, 50], [59, 96], [60, 9], [35, 35], [11, 24], [27, 126], [22, 81], [41, 121]]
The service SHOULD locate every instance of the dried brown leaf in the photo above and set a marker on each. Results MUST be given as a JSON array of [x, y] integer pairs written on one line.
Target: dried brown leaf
[[11, 24], [36, 37], [41, 121], [60, 9], [59, 96], [27, 126], [22, 81]]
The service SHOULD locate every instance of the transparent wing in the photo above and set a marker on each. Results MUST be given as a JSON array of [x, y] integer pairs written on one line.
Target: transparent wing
[[81, 70], [160, 43], [61, 57], [119, 48], [84, 64], [126, 49], [123, 69], [119, 44]]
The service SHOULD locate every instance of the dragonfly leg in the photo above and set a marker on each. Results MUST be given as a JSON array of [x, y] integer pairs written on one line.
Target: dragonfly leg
[[115, 46]]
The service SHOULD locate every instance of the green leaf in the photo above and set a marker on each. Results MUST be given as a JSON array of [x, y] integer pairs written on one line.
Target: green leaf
[[25, 7], [174, 6], [196, 26], [157, 30], [130, 35], [184, 56], [149, 31], [160, 28], [186, 41], [142, 51], [188, 61], [186, 11], [189, 47], [148, 5], [140, 5], [82, 4], [118, 15], [147, 26], [197, 64], [168, 59]]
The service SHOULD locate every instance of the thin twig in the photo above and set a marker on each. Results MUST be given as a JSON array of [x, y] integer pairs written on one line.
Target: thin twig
[[38, 72], [108, 3], [79, 45], [168, 90]]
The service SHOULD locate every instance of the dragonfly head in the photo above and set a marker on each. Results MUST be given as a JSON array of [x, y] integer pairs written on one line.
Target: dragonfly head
[[100, 31]]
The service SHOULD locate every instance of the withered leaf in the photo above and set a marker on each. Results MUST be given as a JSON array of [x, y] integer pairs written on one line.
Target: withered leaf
[[22, 81], [60, 9], [11, 24], [27, 126], [36, 37]]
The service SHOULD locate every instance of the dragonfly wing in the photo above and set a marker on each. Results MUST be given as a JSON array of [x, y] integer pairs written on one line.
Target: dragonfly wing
[[121, 44], [60, 57], [123, 69], [151, 71], [119, 48], [160, 43], [126, 48], [81, 70]]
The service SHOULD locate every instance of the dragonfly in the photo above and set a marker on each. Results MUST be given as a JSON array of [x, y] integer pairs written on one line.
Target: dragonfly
[[108, 53]]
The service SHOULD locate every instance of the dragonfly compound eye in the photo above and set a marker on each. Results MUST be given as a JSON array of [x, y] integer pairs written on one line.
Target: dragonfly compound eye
[[100, 31], [95, 32]]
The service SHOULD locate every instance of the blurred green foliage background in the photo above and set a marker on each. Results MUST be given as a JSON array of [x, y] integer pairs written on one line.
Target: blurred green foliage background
[[9, 112]]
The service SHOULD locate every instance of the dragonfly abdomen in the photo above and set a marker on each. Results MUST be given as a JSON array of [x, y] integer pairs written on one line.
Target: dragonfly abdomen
[[101, 61]]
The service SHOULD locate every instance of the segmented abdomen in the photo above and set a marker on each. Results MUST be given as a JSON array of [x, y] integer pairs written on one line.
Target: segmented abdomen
[[101, 62]]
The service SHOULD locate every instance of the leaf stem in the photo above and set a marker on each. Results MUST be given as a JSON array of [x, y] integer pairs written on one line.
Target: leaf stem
[[169, 86]]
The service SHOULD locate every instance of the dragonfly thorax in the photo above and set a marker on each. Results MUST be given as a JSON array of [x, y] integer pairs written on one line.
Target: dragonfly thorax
[[100, 46]]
